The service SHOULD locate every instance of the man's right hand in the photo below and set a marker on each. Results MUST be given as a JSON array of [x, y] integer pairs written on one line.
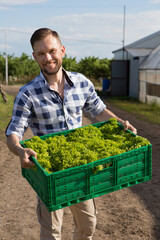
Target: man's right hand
[[23, 153]]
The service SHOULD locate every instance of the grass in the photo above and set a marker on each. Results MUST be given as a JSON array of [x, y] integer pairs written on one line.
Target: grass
[[146, 112], [5, 112]]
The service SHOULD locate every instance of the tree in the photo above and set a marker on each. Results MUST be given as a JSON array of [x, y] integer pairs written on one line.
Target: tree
[[2, 65], [70, 64], [87, 66], [103, 68]]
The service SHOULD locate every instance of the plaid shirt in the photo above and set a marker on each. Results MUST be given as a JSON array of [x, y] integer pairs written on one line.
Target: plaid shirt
[[39, 107]]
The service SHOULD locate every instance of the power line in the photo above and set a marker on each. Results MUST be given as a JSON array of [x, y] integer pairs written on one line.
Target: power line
[[43, 5], [89, 41], [16, 31], [66, 38]]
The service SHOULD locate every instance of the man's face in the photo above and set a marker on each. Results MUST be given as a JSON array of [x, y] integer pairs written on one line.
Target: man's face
[[48, 53]]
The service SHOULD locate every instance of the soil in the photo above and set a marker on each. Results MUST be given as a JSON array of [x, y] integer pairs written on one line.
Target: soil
[[132, 213]]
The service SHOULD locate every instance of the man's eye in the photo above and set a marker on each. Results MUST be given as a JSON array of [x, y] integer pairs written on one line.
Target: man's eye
[[40, 54], [53, 51]]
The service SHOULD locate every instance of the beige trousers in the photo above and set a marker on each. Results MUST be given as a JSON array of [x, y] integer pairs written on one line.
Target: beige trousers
[[84, 216]]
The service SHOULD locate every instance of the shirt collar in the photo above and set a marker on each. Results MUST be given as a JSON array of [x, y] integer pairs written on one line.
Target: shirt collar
[[69, 81], [67, 78]]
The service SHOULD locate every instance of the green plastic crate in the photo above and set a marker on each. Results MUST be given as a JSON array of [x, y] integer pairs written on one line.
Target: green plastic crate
[[64, 188]]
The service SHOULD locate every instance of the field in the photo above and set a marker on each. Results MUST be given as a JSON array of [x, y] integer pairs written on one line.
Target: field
[[129, 214]]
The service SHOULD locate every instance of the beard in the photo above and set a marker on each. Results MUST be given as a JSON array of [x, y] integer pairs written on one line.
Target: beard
[[45, 69]]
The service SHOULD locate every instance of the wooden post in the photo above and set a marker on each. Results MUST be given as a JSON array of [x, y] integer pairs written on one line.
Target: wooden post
[[4, 95]]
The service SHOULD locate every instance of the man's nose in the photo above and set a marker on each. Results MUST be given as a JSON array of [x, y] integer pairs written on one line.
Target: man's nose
[[48, 57]]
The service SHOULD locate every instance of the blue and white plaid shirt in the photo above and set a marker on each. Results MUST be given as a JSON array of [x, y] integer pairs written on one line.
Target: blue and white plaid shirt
[[39, 107]]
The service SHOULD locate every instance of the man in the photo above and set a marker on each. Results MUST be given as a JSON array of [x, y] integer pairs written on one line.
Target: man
[[53, 102]]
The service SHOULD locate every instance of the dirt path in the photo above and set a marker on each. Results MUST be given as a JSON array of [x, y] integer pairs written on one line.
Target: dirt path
[[129, 214]]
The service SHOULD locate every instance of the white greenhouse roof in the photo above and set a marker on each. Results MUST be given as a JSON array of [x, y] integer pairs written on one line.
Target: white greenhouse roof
[[149, 42], [147, 48], [139, 52], [153, 60]]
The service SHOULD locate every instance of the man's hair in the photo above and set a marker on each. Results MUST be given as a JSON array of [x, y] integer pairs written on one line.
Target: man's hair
[[41, 33]]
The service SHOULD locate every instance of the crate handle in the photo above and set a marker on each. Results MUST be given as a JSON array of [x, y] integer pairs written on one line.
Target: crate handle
[[32, 159], [104, 166]]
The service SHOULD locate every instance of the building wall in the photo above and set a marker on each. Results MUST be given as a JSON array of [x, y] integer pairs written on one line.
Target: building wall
[[134, 78], [142, 85], [122, 55], [149, 85]]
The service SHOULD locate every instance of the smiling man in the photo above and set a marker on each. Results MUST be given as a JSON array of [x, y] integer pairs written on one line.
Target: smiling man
[[53, 102]]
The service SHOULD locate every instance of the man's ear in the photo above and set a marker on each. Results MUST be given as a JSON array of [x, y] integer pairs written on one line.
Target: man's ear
[[63, 50], [33, 53]]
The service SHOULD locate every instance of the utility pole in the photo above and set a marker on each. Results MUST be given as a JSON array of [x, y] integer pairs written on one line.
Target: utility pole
[[6, 56], [124, 23]]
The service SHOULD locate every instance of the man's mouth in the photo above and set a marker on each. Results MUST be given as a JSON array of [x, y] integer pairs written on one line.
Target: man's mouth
[[49, 64]]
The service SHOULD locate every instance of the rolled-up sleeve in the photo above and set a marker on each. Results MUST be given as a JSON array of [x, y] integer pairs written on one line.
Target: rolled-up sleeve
[[21, 115], [94, 105]]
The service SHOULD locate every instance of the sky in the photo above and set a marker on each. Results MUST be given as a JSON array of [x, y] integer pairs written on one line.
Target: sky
[[86, 27]]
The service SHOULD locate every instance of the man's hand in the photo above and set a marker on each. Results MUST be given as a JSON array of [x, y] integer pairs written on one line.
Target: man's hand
[[24, 155], [107, 114], [128, 126]]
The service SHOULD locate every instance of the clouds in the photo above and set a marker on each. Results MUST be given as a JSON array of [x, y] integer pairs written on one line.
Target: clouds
[[97, 34], [90, 33], [89, 26], [20, 2], [94, 33], [154, 1], [142, 24], [107, 29], [3, 8], [11, 4]]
